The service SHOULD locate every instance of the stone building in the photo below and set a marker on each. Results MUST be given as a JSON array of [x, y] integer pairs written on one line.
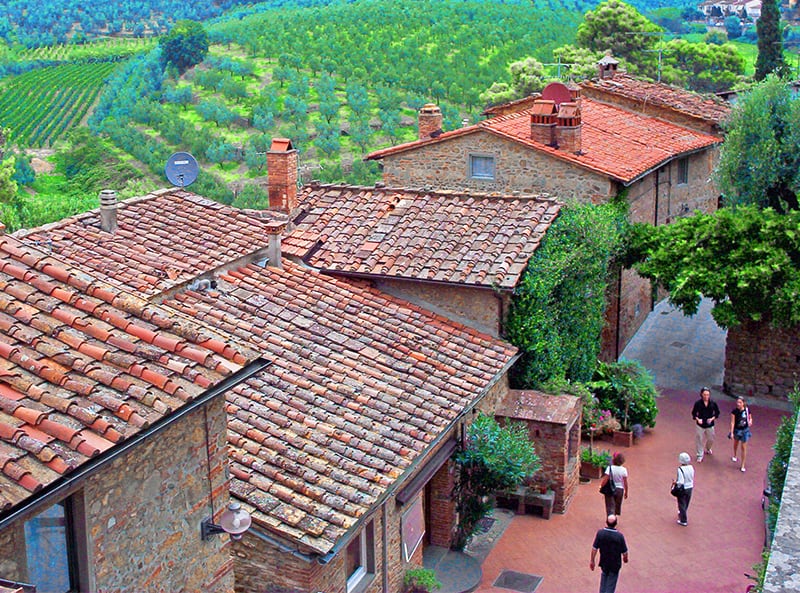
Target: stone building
[[340, 449], [575, 148], [455, 252], [112, 426]]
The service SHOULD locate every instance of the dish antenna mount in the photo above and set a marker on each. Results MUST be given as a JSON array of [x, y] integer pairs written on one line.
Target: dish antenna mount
[[181, 169]]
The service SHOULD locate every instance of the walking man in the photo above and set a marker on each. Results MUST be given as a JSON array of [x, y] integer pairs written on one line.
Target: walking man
[[705, 412], [613, 552]]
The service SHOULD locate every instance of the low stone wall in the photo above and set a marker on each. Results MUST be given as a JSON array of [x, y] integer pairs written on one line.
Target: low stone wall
[[783, 570], [762, 360]]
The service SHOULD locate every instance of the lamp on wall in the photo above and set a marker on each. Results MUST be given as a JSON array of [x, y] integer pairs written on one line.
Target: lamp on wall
[[234, 521]]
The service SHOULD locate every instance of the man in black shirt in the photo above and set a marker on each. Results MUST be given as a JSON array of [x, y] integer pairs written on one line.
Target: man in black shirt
[[705, 412], [613, 552]]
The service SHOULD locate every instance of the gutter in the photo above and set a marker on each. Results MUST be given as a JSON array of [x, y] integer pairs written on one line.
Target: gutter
[[343, 541], [64, 485]]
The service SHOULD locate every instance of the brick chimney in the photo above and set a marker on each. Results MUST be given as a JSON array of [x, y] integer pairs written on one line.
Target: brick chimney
[[568, 127], [275, 229], [108, 210], [430, 121], [543, 121], [607, 67], [282, 175]]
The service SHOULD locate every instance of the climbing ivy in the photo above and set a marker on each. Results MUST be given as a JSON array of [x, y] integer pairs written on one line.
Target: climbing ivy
[[556, 314]]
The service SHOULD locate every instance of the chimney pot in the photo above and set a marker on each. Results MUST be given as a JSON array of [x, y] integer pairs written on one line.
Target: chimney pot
[[568, 129], [282, 175], [275, 229], [108, 210], [607, 67], [543, 121], [429, 121]]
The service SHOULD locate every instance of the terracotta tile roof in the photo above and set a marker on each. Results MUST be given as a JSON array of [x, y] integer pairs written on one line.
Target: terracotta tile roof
[[705, 107], [361, 383], [84, 366], [534, 405], [161, 241], [615, 142], [452, 237]]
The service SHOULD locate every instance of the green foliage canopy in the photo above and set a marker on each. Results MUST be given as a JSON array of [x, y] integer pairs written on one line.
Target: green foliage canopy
[[770, 43], [702, 67], [619, 27], [747, 260], [760, 159], [556, 314], [495, 458], [186, 45], [626, 388]]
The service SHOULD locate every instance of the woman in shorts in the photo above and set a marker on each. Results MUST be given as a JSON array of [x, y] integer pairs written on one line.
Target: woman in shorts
[[741, 421]]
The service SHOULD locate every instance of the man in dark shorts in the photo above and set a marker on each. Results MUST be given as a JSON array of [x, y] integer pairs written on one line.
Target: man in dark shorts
[[613, 552]]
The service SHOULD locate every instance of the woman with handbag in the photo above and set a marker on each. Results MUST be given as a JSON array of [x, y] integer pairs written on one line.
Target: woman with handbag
[[614, 485], [682, 486]]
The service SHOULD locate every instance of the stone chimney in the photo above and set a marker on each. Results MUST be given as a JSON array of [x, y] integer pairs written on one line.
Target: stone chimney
[[543, 121], [568, 127], [108, 210], [282, 175], [430, 121], [275, 229], [607, 67], [574, 92]]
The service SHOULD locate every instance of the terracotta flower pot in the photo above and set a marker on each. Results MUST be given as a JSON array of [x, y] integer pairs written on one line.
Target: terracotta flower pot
[[590, 471], [623, 438]]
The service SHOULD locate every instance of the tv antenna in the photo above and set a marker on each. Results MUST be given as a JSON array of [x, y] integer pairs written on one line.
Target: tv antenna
[[181, 169]]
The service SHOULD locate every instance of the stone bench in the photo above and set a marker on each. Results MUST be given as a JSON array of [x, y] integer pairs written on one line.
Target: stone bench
[[523, 497]]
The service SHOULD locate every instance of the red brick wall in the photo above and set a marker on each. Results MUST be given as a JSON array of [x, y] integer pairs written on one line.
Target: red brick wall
[[761, 360], [443, 508]]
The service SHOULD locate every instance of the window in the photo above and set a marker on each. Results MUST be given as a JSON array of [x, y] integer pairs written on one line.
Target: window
[[51, 549], [481, 166], [683, 171], [360, 558]]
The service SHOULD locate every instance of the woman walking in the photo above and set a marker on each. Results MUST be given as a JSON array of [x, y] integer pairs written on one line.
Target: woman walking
[[741, 421], [619, 474], [686, 478]]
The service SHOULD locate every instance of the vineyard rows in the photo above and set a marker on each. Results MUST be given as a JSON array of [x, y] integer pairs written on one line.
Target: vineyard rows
[[40, 106]]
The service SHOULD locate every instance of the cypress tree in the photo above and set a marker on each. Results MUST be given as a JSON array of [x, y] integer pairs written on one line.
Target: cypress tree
[[770, 44]]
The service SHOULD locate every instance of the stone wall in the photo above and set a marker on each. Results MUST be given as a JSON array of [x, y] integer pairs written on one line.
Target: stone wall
[[143, 512], [783, 569], [761, 360], [479, 308], [517, 168]]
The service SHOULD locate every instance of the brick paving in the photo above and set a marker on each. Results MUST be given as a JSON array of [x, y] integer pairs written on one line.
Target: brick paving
[[726, 524]]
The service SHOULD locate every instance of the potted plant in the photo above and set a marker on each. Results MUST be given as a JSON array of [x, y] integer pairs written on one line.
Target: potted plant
[[626, 388], [420, 580], [593, 462]]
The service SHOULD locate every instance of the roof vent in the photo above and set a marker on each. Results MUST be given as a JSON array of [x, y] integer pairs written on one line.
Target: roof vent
[[108, 210]]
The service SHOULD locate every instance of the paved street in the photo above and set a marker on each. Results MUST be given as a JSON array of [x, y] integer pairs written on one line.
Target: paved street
[[726, 527]]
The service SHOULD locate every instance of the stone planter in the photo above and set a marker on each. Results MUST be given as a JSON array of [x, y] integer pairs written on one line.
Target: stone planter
[[623, 438], [591, 471]]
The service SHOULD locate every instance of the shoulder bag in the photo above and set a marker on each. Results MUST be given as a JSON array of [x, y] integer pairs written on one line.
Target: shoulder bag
[[677, 489], [608, 487]]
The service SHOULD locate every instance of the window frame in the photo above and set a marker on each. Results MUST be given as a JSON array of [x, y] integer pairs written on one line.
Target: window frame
[[683, 171], [473, 158], [365, 571]]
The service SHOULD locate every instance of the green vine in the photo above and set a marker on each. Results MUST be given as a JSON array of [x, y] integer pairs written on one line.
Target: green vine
[[557, 312]]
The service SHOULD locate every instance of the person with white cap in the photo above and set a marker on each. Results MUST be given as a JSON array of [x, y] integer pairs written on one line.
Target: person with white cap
[[684, 478]]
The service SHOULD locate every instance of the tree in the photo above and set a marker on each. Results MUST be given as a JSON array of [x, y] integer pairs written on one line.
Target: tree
[[577, 62], [770, 43], [494, 458], [702, 67], [186, 45], [747, 260], [760, 159], [623, 30], [527, 76], [733, 25]]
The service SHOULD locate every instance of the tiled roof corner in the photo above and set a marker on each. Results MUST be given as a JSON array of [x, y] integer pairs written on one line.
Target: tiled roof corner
[[84, 366], [437, 236]]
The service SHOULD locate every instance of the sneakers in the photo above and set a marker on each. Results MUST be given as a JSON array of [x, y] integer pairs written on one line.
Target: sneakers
[[709, 452], [682, 523], [744, 470], [699, 459], [734, 459]]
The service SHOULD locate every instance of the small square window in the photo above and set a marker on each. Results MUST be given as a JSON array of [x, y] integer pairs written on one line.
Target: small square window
[[683, 171], [481, 167]]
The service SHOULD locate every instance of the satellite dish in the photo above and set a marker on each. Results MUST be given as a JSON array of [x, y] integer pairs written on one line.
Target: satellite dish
[[555, 91], [181, 169]]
